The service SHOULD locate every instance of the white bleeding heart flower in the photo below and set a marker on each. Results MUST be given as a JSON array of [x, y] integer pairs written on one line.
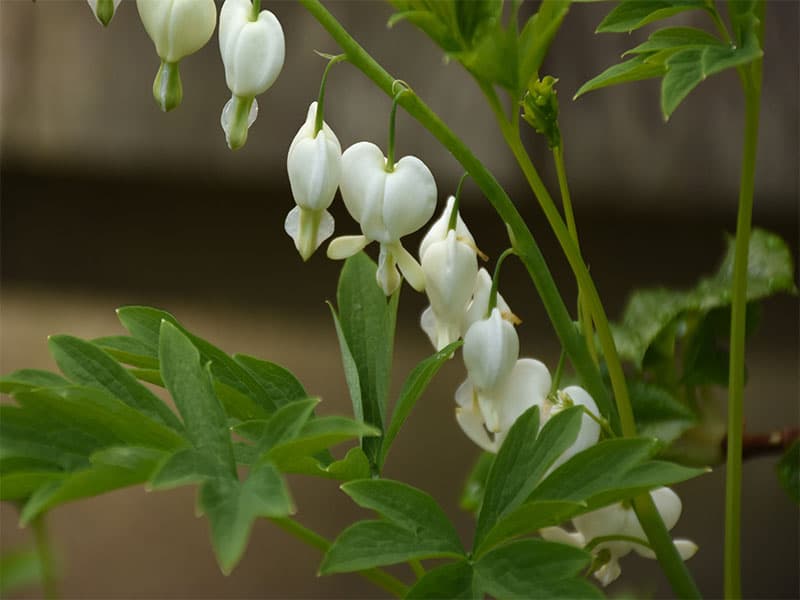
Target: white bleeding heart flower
[[314, 166], [490, 351], [253, 50], [620, 520], [450, 267], [104, 10], [178, 28], [387, 205], [486, 417], [480, 300]]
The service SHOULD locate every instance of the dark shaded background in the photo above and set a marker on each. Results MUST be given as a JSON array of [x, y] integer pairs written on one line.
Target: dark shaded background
[[106, 201]]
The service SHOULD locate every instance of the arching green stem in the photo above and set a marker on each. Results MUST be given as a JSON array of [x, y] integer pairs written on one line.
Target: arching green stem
[[451, 224], [256, 10], [45, 554], [393, 125], [496, 281], [319, 120]]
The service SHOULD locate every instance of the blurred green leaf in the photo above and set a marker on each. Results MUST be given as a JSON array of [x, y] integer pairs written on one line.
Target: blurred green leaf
[[629, 15], [475, 486], [366, 324], [413, 387], [86, 364], [20, 485], [634, 69], [676, 37], [688, 67], [111, 469], [789, 471], [232, 506], [535, 569], [129, 350], [657, 412], [28, 379], [452, 581], [189, 383], [19, 569], [319, 434], [523, 459], [279, 385], [435, 17], [536, 37], [475, 17]]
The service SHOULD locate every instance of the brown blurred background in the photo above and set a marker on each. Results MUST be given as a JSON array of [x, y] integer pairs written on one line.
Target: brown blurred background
[[106, 201]]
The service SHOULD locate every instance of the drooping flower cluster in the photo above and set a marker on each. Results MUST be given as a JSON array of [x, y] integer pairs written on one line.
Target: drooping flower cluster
[[619, 520]]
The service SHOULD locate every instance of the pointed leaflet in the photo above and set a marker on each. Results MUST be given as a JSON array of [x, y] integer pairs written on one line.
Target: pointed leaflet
[[475, 486], [535, 569], [448, 582], [111, 469], [232, 507], [86, 364], [413, 387], [144, 324], [674, 38], [536, 37], [523, 458], [129, 350], [366, 323], [635, 69], [657, 412], [190, 385], [27, 379], [415, 528], [633, 14]]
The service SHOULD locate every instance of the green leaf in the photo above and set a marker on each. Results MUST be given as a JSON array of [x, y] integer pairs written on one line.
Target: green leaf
[[232, 507], [528, 518], [635, 69], [536, 37], [368, 544], [687, 68], [475, 486], [86, 364], [148, 376], [452, 581], [674, 38], [184, 467], [522, 460], [495, 60], [533, 569], [405, 506], [633, 14], [366, 323], [238, 406], [190, 385], [354, 465], [475, 17], [279, 385], [317, 435], [111, 469], [789, 471], [129, 350], [28, 379], [100, 416], [144, 323], [20, 485], [19, 569], [658, 413], [284, 425], [413, 387], [434, 17]]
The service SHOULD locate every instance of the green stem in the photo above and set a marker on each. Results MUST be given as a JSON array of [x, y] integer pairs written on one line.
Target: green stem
[[392, 130], [733, 470], [584, 312], [496, 281], [559, 372], [319, 119], [524, 243], [256, 10], [417, 567], [451, 224], [377, 576], [614, 538], [42, 541], [679, 577]]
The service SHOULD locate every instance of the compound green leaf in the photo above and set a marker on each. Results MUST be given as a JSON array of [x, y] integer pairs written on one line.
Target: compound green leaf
[[452, 581], [634, 69], [129, 350], [28, 379], [674, 38], [633, 14], [86, 364]]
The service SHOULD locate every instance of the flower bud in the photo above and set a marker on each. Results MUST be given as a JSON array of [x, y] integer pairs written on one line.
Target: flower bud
[[450, 268], [540, 109], [178, 28], [252, 49], [491, 347], [104, 10], [314, 166], [439, 230]]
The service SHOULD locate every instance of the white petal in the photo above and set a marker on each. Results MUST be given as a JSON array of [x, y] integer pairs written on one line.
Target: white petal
[[527, 385], [191, 24], [410, 197], [410, 268], [668, 504], [427, 322], [480, 300], [562, 536], [257, 56], [346, 246], [229, 112], [472, 424], [589, 433], [314, 167], [490, 351], [387, 275], [686, 548], [606, 521], [609, 572], [308, 229], [362, 183]]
